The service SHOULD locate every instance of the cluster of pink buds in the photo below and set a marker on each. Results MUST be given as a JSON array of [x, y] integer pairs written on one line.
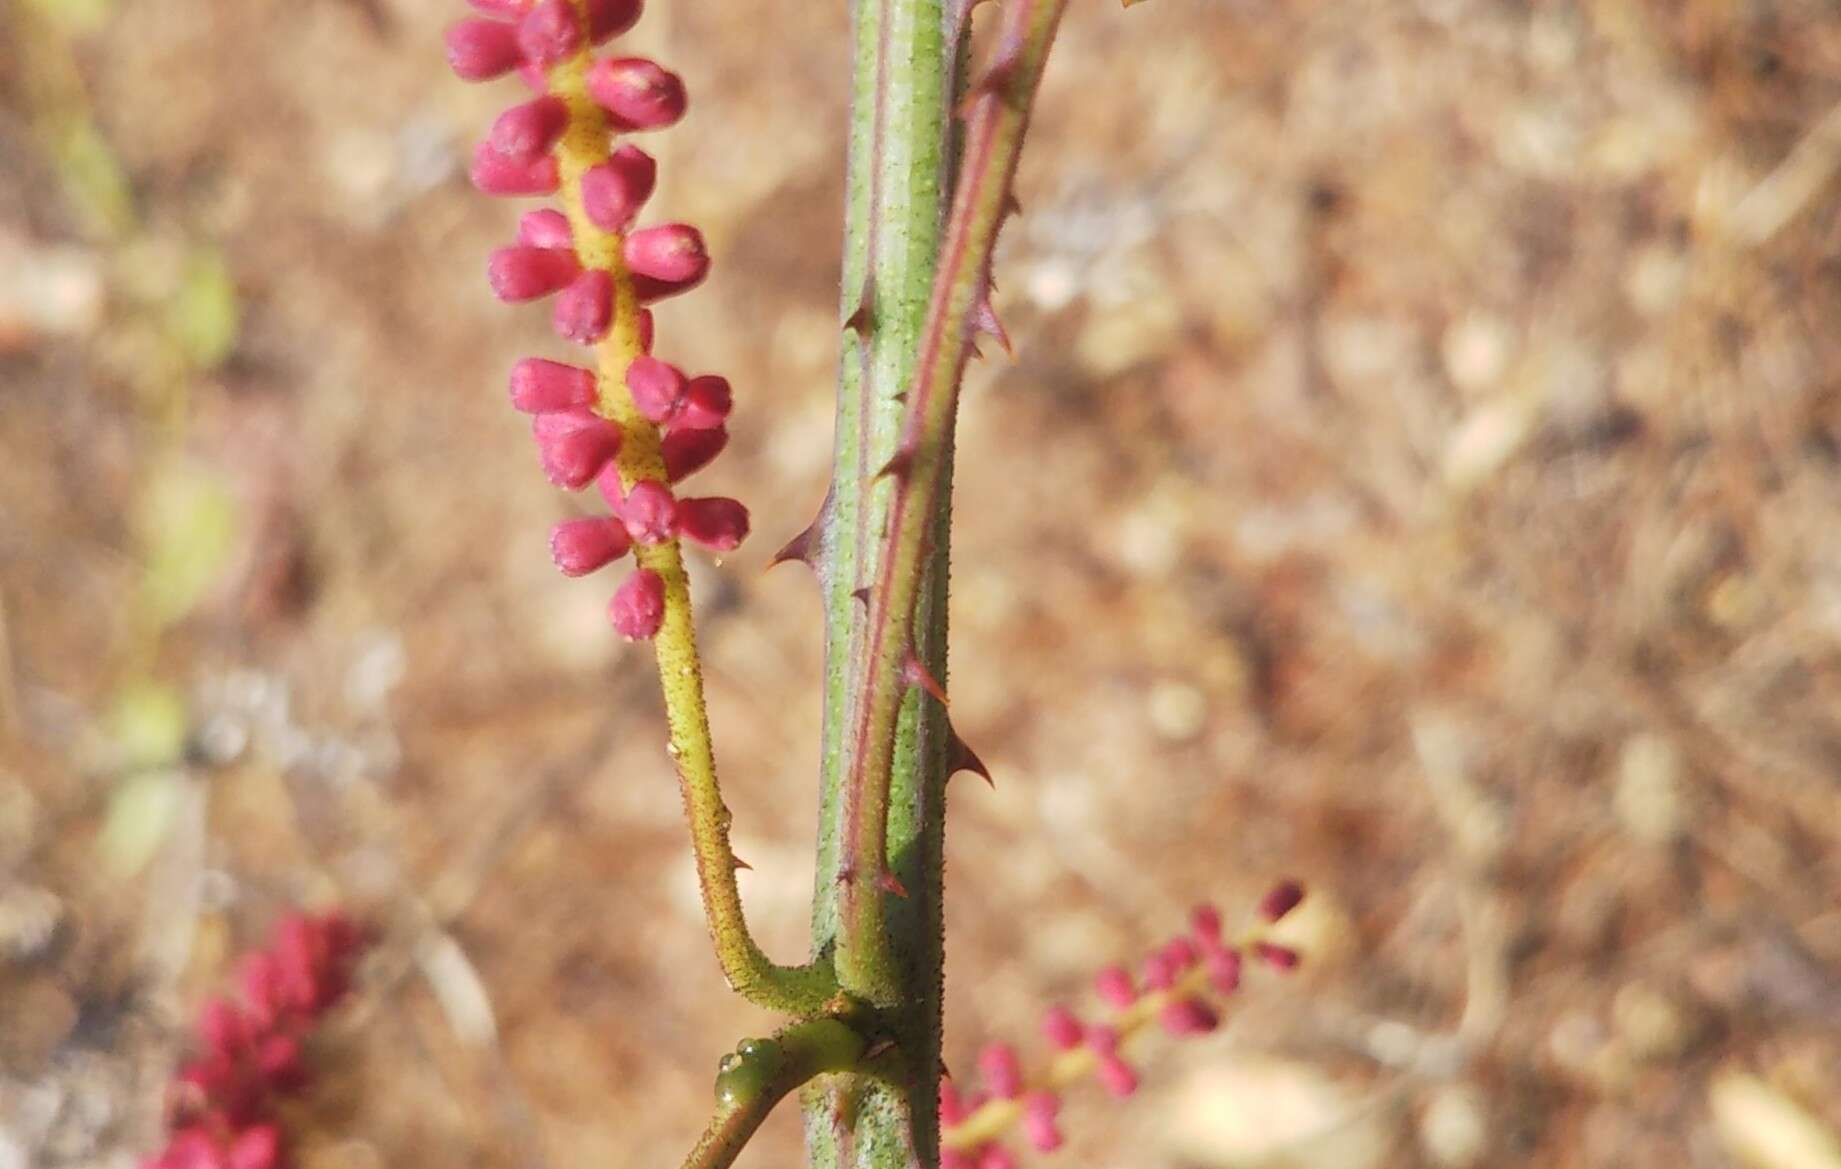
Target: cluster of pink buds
[[222, 1105], [1179, 986], [596, 267]]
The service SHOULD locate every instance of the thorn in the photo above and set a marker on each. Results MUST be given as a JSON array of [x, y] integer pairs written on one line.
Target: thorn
[[961, 757], [880, 1047], [846, 875], [739, 863], [1012, 205], [915, 673], [889, 883], [808, 546], [862, 317], [984, 318], [899, 464], [861, 595], [995, 80]]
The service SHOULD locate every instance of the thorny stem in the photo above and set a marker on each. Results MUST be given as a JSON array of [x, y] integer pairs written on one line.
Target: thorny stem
[[760, 1074], [801, 990], [997, 114]]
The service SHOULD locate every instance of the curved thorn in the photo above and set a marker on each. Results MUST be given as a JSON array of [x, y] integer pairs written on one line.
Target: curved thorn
[[984, 318], [915, 673], [889, 883], [863, 316], [961, 757]]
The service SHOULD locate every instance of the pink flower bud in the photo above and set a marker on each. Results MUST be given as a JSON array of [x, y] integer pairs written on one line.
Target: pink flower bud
[[646, 328], [1281, 958], [636, 93], [1280, 900], [1116, 1076], [257, 1147], [521, 273], [608, 484], [952, 1105], [495, 174], [665, 260], [707, 402], [995, 1156], [1181, 1017], [547, 228], [539, 386], [657, 387], [525, 133], [510, 9], [1223, 968], [688, 451], [479, 50], [716, 522], [638, 607], [1158, 973], [1179, 953], [957, 1159], [610, 18], [1062, 1029], [1115, 987], [1205, 923], [585, 309], [1040, 1112], [650, 512], [278, 1061], [574, 445], [1002, 1072], [615, 190], [549, 32], [579, 547], [222, 1027], [194, 1148]]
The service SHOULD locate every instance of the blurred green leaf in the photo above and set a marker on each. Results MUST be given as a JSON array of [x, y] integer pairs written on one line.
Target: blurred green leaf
[[188, 528], [147, 725], [75, 15], [205, 313], [94, 179], [140, 815]]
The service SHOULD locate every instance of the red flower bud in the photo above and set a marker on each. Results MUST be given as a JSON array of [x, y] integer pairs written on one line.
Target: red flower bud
[[495, 174], [585, 309], [1205, 923], [610, 18], [511, 9], [1280, 958], [650, 512], [547, 228], [1114, 987], [1062, 1028], [524, 133], [707, 402], [1002, 1072], [549, 32], [521, 273], [952, 1105], [716, 522], [256, 1147], [657, 387], [539, 386], [1039, 1115], [479, 50], [1223, 967], [1116, 1076], [574, 445], [1280, 900], [665, 260], [1181, 1017], [636, 93], [688, 451], [615, 190], [579, 547], [995, 1156], [638, 607], [646, 329]]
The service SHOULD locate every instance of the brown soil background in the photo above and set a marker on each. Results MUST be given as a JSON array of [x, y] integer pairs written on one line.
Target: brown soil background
[[1418, 473]]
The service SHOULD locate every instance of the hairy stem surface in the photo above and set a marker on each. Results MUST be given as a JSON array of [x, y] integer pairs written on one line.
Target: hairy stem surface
[[794, 989]]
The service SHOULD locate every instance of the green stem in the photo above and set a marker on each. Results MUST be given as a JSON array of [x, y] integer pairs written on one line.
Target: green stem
[[761, 1073], [915, 281]]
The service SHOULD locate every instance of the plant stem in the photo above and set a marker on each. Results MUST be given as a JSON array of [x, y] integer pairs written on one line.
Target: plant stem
[[801, 990], [897, 194]]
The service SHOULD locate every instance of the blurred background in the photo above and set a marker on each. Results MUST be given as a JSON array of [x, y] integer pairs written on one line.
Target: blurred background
[[1418, 474]]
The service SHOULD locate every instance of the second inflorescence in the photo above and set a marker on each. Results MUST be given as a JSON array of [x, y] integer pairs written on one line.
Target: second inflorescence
[[600, 274], [1179, 986]]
